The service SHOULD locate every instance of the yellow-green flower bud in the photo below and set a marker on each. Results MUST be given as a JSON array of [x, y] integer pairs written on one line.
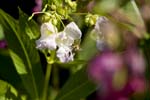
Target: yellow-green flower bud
[[44, 18], [91, 22], [73, 5], [61, 11], [91, 19], [54, 21], [53, 7]]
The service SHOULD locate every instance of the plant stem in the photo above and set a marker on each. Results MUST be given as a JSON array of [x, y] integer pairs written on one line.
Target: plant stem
[[46, 82]]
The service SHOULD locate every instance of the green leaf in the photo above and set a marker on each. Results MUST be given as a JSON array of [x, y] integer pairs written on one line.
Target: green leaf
[[18, 62], [23, 53], [8, 92], [77, 87], [8, 71], [133, 19], [88, 48], [72, 63], [131, 11], [31, 28], [1, 32], [3, 87]]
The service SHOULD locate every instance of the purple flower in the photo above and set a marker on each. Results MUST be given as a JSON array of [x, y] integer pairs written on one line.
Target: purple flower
[[104, 66], [38, 6], [138, 84], [135, 61], [3, 44], [108, 68]]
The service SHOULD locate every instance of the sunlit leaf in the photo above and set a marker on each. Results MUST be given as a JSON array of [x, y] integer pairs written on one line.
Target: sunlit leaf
[[7, 91], [105, 6], [3, 87], [1, 32], [8, 71], [22, 47], [30, 26], [18, 62], [132, 13]]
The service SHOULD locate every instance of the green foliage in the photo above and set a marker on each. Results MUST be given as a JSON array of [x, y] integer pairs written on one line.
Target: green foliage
[[1, 32], [87, 51], [77, 87], [31, 28], [8, 92], [8, 71], [23, 53]]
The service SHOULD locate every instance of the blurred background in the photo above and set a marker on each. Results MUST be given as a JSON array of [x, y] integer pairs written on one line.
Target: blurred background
[[120, 66]]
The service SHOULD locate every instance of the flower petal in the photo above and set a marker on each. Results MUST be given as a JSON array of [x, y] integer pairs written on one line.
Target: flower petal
[[47, 43], [73, 31], [101, 45], [101, 21], [47, 29], [64, 54], [63, 40]]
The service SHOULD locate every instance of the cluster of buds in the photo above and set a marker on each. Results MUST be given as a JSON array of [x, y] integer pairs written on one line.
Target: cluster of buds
[[72, 4], [61, 42], [90, 19]]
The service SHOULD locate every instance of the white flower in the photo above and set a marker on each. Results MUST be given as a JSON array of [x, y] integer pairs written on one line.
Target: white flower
[[65, 54], [100, 22], [64, 40], [73, 31], [51, 39], [48, 35], [101, 44], [47, 42], [70, 33], [98, 32]]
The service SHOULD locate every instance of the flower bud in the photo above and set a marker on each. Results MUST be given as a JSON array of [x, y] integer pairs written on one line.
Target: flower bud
[[54, 21], [44, 18], [53, 7], [91, 19]]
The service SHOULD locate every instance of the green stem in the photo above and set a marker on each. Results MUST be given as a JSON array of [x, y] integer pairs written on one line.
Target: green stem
[[78, 13], [46, 82], [35, 13], [59, 19], [56, 78]]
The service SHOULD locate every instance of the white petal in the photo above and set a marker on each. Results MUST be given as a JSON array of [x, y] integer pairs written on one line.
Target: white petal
[[99, 23], [65, 54], [73, 31], [63, 40], [47, 43], [47, 29], [101, 45]]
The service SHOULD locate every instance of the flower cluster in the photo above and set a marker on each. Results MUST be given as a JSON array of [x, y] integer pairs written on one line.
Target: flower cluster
[[62, 41]]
